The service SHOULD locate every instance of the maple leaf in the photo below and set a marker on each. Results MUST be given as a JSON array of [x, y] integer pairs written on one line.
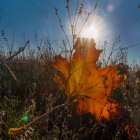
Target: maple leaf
[[79, 77]]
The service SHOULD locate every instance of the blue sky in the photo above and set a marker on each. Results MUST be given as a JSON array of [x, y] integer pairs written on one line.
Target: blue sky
[[25, 17]]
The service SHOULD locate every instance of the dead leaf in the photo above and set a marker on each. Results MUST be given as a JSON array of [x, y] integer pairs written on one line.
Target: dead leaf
[[15, 131], [79, 77]]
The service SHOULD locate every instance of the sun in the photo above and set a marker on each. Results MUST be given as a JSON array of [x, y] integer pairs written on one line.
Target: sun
[[96, 28], [90, 32]]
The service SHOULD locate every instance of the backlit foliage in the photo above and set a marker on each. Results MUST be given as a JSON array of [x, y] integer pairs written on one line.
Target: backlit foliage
[[81, 79]]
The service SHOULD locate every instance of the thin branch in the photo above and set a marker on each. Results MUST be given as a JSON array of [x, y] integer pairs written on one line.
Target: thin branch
[[16, 53], [88, 15], [44, 115], [59, 20], [76, 11], [11, 56], [13, 75], [71, 24]]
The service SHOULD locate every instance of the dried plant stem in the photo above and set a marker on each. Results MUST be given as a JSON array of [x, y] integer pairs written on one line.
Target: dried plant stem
[[59, 20], [11, 56], [13, 75], [71, 24], [44, 115], [16, 53], [76, 16], [88, 15]]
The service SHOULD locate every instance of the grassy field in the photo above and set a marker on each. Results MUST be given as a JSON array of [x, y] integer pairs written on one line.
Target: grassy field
[[29, 97], [39, 94]]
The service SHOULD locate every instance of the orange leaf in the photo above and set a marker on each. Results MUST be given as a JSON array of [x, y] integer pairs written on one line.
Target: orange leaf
[[80, 78], [14, 131]]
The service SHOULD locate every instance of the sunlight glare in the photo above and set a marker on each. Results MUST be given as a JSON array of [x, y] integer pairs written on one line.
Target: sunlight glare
[[90, 32], [95, 28]]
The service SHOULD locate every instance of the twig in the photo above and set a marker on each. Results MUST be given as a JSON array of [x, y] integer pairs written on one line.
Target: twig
[[71, 23], [88, 15], [60, 23], [13, 75], [75, 19], [44, 115], [16, 53], [19, 51], [11, 56]]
